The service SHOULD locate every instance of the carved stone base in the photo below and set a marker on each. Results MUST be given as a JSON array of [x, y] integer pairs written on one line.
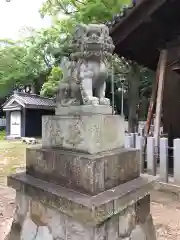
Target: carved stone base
[[90, 134], [86, 173], [48, 211]]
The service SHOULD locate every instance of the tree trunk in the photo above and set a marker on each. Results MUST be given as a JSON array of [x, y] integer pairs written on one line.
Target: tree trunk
[[133, 101]]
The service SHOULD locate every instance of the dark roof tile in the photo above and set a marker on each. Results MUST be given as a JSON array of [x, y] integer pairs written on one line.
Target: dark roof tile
[[123, 13], [36, 100]]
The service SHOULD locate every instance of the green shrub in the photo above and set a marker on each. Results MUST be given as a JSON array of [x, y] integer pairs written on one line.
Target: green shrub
[[2, 134]]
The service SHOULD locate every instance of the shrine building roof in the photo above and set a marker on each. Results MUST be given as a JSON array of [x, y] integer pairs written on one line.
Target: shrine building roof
[[145, 27]]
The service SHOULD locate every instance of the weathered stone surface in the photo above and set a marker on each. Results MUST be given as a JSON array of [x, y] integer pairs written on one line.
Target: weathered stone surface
[[91, 210], [112, 226], [121, 167], [86, 173], [56, 222], [91, 134], [29, 230], [56, 225], [138, 234], [100, 232], [149, 229], [78, 231], [133, 196], [127, 221], [22, 205], [43, 234], [83, 110], [84, 76], [142, 209], [44, 221], [145, 231], [37, 213], [15, 233]]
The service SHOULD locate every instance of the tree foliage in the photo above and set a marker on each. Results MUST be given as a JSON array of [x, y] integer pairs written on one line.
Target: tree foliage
[[21, 62], [50, 86], [40, 52], [17, 65], [85, 11]]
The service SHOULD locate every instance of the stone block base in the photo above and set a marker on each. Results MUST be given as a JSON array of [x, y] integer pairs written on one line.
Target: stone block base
[[90, 134], [90, 174], [46, 211]]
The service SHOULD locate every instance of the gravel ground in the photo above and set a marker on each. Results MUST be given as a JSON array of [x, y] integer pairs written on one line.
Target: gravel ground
[[7, 205], [165, 210], [167, 221]]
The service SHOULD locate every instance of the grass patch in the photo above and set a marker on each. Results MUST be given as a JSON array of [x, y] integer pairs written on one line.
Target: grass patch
[[2, 134], [12, 158]]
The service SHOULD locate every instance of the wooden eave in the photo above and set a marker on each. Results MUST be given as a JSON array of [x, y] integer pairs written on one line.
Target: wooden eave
[[147, 28]]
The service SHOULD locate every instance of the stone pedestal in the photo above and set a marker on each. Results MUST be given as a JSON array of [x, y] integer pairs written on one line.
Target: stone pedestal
[[81, 184], [84, 133]]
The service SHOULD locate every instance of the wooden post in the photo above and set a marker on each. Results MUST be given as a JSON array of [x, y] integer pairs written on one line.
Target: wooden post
[[157, 122], [164, 159], [133, 97], [153, 98], [152, 102]]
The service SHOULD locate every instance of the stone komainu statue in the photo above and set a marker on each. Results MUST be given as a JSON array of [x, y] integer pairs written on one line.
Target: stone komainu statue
[[85, 81]]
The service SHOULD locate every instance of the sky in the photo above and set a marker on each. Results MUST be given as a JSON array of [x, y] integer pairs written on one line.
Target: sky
[[17, 14]]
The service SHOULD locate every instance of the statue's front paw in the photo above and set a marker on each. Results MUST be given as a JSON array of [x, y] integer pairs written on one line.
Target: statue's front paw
[[104, 101], [91, 101]]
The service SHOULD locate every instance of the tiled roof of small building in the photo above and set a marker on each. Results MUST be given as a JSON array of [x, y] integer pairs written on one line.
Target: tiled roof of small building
[[33, 99], [123, 13]]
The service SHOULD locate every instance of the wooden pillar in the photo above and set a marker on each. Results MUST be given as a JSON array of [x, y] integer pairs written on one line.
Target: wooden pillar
[[133, 101], [171, 100], [153, 99], [157, 95], [157, 122]]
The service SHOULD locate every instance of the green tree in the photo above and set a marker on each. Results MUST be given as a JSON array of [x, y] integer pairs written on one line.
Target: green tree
[[50, 86], [19, 64], [38, 52], [41, 51], [85, 11]]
